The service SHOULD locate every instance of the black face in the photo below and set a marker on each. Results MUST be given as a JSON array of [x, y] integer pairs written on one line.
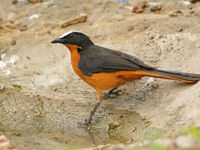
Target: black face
[[75, 38]]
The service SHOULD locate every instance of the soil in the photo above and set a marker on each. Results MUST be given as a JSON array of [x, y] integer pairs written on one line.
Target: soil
[[42, 100]]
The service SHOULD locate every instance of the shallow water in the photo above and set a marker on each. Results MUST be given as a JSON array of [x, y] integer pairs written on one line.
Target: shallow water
[[42, 123]]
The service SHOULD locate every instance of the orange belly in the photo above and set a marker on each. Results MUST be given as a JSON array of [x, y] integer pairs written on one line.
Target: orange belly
[[105, 81]]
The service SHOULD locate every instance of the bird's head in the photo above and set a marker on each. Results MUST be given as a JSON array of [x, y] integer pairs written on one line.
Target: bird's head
[[74, 38]]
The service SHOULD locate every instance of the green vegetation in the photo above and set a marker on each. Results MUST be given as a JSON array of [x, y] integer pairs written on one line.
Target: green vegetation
[[193, 131], [17, 88]]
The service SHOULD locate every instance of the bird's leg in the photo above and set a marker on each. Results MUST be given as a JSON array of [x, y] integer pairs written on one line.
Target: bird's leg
[[100, 98], [88, 120]]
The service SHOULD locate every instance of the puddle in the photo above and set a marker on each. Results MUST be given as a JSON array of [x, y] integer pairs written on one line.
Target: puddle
[[42, 123]]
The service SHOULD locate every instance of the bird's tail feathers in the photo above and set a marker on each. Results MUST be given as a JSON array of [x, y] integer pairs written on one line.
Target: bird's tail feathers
[[172, 75]]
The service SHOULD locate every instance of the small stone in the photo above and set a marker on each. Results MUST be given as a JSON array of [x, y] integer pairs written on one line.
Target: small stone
[[180, 30], [2, 88], [79, 19], [28, 57], [139, 7], [137, 10], [23, 28], [175, 13], [151, 37], [156, 8], [13, 42], [155, 86], [130, 28], [5, 143], [113, 126], [192, 12], [134, 129], [116, 124], [14, 1], [194, 1]]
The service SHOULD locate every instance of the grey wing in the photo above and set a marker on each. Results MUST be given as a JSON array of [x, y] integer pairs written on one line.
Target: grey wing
[[98, 59]]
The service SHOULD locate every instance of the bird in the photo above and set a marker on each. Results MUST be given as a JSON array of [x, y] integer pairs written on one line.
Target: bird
[[107, 69]]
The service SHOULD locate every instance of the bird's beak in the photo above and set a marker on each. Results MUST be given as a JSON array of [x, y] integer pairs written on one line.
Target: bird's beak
[[58, 40]]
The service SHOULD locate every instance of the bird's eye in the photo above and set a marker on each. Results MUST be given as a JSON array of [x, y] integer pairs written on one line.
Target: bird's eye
[[71, 35]]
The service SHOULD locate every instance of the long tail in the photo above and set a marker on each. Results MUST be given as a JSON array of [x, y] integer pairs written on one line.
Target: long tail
[[172, 75]]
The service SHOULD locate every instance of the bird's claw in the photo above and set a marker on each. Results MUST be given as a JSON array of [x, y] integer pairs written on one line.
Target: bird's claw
[[86, 123], [116, 92]]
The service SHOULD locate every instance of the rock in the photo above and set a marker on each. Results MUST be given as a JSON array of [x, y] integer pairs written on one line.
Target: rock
[[5, 143], [2, 88], [113, 126], [175, 13], [192, 12], [130, 28], [34, 16], [187, 141], [137, 10], [14, 1], [23, 28], [80, 19], [13, 42], [35, 1], [156, 8], [180, 30], [139, 7], [194, 1]]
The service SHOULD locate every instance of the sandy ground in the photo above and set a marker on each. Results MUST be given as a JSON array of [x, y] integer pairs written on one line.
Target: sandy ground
[[41, 100]]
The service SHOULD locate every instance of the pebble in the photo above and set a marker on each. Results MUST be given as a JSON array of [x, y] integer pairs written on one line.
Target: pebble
[[139, 7], [175, 13], [79, 19], [156, 8], [2, 87], [13, 42], [194, 1], [130, 28], [5, 143], [14, 1], [23, 28], [180, 30]]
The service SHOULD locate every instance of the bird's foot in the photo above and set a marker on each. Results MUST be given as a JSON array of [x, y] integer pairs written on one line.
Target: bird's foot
[[113, 92], [117, 92], [86, 123]]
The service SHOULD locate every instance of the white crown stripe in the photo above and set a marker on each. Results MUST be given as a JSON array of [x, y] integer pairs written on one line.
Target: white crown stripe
[[67, 33]]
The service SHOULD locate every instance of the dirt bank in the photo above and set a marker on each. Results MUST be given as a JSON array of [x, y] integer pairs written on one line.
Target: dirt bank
[[41, 99]]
